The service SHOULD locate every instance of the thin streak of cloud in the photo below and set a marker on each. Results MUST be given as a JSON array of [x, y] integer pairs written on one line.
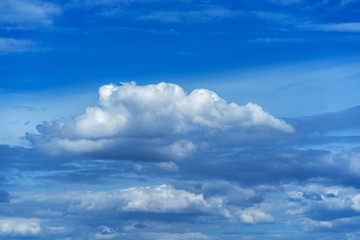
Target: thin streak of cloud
[[348, 2], [203, 15], [335, 27], [286, 2], [11, 45], [276, 40]]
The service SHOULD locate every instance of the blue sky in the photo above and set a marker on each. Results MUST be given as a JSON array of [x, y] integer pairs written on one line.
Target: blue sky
[[179, 119]]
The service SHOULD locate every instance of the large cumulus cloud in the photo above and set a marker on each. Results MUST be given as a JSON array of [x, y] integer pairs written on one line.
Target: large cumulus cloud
[[159, 120]]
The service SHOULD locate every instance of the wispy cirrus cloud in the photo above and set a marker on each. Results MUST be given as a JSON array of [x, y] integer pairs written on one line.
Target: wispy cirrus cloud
[[12, 45], [276, 40], [20, 14], [348, 2], [202, 15], [286, 2], [335, 27]]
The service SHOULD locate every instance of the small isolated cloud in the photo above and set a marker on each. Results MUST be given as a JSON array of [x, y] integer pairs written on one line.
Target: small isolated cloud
[[254, 216], [11, 45], [107, 233], [27, 14], [163, 199], [166, 166], [154, 120], [19, 226]]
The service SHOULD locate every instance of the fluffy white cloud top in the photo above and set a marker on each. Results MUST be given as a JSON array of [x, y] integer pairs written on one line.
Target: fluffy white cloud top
[[159, 119], [19, 226], [163, 199]]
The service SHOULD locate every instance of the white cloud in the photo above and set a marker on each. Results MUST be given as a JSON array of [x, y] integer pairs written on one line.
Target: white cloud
[[311, 225], [107, 233], [167, 166], [356, 202], [19, 226], [160, 199], [159, 119], [231, 193], [27, 14], [323, 206], [11, 45], [254, 215]]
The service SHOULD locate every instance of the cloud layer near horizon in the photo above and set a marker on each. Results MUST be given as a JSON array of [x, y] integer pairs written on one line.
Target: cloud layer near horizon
[[159, 120]]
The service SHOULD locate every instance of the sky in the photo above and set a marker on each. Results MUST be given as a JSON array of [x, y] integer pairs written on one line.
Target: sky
[[180, 119]]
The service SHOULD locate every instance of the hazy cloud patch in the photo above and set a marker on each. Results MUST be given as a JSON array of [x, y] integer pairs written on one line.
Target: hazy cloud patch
[[11, 45], [20, 14], [19, 226]]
